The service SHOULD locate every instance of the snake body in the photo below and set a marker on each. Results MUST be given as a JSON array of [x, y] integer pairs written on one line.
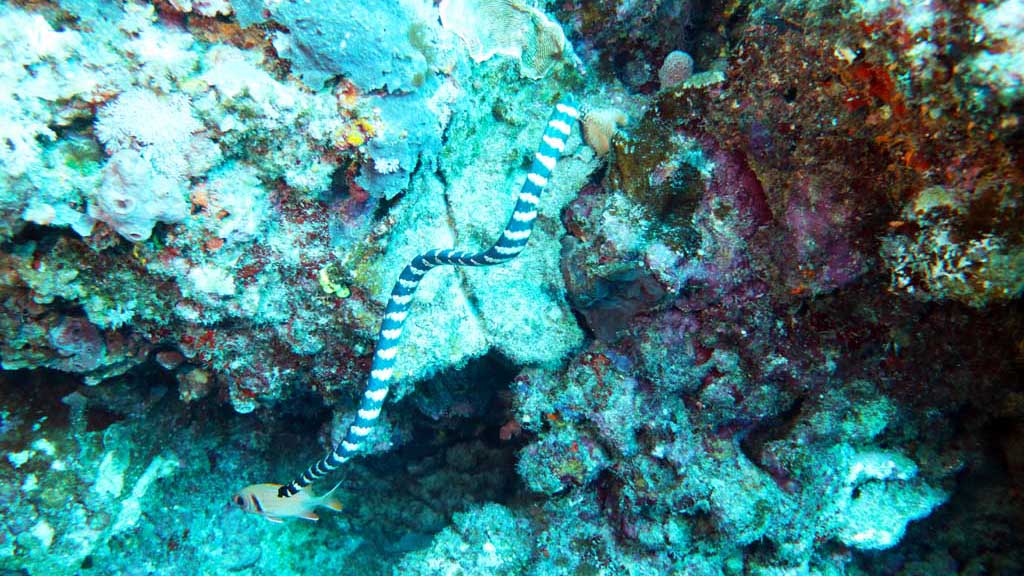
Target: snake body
[[508, 246]]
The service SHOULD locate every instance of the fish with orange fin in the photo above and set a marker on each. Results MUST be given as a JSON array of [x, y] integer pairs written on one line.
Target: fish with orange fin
[[263, 499]]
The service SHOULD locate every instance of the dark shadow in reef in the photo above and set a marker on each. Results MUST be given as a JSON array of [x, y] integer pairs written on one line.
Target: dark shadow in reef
[[46, 397], [32, 396], [448, 456], [976, 362], [452, 457], [980, 530]]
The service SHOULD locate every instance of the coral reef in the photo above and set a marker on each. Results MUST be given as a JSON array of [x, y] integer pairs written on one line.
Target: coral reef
[[509, 28], [769, 320]]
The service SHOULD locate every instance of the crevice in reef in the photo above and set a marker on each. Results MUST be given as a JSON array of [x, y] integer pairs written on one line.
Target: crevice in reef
[[32, 395], [464, 395], [778, 427], [447, 452], [960, 533], [451, 457], [460, 408]]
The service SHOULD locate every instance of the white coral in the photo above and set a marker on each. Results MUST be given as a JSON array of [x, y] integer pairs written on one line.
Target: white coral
[[162, 128], [238, 198], [880, 496], [508, 28], [164, 56], [142, 117], [1002, 25], [386, 165], [27, 42], [212, 281], [209, 8]]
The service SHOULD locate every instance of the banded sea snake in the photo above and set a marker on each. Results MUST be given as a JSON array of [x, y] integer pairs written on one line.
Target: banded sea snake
[[508, 246]]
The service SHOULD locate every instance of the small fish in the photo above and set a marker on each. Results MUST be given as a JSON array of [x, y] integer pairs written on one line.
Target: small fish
[[262, 499]]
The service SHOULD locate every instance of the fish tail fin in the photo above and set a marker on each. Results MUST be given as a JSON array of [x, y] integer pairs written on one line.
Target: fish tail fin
[[329, 500], [332, 503]]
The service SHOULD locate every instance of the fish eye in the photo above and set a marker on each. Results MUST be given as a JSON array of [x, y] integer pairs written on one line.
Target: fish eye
[[238, 501]]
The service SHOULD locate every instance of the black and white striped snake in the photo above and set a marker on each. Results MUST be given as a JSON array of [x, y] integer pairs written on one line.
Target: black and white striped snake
[[508, 246]]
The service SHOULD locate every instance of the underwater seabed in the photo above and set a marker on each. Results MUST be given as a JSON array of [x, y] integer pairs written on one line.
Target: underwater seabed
[[757, 311]]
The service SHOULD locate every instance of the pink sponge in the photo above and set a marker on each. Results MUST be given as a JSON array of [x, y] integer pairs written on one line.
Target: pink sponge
[[135, 196], [678, 67]]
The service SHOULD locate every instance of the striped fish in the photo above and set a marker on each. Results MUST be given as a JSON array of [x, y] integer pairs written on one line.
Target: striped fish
[[266, 500], [509, 245]]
